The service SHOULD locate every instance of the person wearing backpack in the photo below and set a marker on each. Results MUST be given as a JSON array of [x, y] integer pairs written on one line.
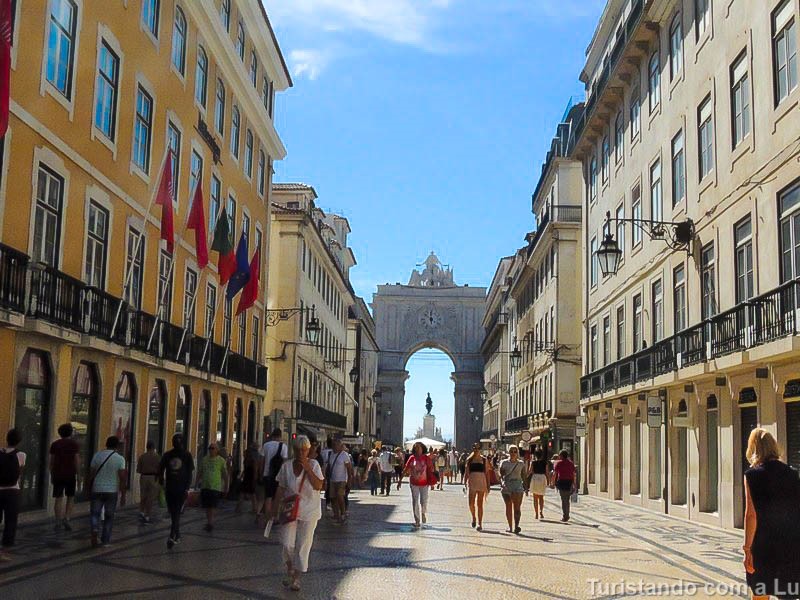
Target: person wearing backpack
[[12, 462], [273, 453], [107, 479]]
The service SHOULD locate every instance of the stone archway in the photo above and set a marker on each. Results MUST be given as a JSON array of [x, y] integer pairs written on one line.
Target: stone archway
[[430, 312]]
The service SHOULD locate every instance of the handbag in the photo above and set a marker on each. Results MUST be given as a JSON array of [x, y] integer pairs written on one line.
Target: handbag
[[290, 505]]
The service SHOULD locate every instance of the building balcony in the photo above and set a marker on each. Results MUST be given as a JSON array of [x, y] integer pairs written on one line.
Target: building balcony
[[752, 323], [556, 213], [517, 424], [321, 416], [41, 292]]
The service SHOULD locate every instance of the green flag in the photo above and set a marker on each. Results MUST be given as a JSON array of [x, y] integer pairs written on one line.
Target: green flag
[[226, 264]]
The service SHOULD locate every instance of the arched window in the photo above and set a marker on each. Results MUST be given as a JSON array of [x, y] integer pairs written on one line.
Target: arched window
[[240, 40], [156, 410], [222, 420], [262, 169], [83, 415], [253, 68], [248, 153], [219, 110], [237, 436], [183, 414], [179, 41], [124, 415], [201, 77], [251, 422], [203, 424], [31, 418], [235, 123]]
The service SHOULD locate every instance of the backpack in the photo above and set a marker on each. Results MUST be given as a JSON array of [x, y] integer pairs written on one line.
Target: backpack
[[276, 462], [9, 468]]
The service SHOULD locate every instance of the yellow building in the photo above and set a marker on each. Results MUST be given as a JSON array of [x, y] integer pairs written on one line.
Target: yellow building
[[309, 389], [99, 93]]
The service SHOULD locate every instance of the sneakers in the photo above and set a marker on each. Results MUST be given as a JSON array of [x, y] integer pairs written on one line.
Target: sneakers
[[67, 526], [170, 543], [424, 518]]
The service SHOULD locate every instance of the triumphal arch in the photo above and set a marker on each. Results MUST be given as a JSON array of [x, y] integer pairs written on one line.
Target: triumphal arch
[[431, 311]]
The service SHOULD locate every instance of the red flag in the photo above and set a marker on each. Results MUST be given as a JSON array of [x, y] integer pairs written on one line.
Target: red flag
[[250, 291], [6, 29], [164, 197], [197, 221]]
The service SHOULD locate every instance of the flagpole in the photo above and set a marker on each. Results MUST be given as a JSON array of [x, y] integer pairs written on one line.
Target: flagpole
[[129, 268], [194, 296]]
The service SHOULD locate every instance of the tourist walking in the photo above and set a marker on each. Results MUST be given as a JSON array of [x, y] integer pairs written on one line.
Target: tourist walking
[[213, 480], [147, 466], [12, 463], [462, 466], [108, 479], [64, 465], [340, 475], [539, 475], [420, 477], [273, 453], [771, 520], [477, 478], [441, 467], [564, 480], [452, 464], [363, 464], [387, 470], [301, 478], [512, 480], [373, 473], [399, 463], [175, 474], [249, 478]]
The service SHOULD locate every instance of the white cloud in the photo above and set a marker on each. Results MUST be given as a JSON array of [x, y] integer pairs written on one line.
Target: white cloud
[[308, 62]]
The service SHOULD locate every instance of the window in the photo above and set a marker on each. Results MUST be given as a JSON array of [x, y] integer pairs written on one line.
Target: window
[[258, 240], [61, 45], [784, 50], [219, 111], [246, 226], [654, 79], [605, 159], [620, 332], [594, 263], [240, 40], [262, 169], [708, 282], [201, 77], [702, 16], [143, 130], [593, 349], [678, 170], [248, 153], [636, 115], [619, 137], [637, 323], [267, 95], [620, 214], [606, 341], [179, 41], [712, 455], [656, 201], [225, 14], [593, 179], [636, 214], [47, 217], [174, 143], [211, 310], [196, 171], [242, 332], [214, 203], [742, 234], [788, 203], [189, 291], [740, 99], [105, 110], [253, 68], [150, 14], [256, 338], [658, 311], [165, 285], [705, 136], [134, 265], [156, 401], [679, 299], [675, 47], [231, 214], [96, 246], [235, 124]]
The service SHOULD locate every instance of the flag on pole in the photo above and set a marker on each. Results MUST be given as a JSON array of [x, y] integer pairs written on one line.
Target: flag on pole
[[242, 275], [226, 263], [250, 291], [197, 221], [164, 197], [6, 30]]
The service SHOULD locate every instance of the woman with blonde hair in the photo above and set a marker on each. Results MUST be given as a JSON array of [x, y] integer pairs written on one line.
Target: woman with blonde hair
[[771, 520], [512, 478], [478, 484]]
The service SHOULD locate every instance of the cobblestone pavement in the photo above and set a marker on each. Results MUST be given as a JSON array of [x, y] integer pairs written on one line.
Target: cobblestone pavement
[[377, 554]]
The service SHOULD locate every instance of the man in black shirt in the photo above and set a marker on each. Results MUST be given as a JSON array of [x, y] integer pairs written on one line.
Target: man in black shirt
[[175, 474]]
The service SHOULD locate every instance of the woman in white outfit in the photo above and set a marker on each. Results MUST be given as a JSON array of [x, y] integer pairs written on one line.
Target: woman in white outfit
[[303, 477]]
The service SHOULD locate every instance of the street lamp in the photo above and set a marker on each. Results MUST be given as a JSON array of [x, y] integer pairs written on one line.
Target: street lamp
[[515, 357], [354, 374], [608, 255], [484, 395], [313, 330]]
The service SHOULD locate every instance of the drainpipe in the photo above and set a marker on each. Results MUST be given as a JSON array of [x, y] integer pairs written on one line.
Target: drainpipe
[[665, 418]]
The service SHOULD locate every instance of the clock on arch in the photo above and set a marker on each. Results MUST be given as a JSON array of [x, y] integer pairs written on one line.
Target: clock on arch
[[430, 318]]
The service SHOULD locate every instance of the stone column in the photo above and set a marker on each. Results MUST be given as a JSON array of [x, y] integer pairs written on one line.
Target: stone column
[[467, 429], [392, 385]]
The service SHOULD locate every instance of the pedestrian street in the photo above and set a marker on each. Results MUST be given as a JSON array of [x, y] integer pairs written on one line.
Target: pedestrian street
[[377, 554]]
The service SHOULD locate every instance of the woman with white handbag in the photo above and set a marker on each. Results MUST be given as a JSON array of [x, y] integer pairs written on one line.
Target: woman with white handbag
[[297, 509]]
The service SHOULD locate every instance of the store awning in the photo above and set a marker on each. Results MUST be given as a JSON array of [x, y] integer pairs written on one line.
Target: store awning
[[311, 432]]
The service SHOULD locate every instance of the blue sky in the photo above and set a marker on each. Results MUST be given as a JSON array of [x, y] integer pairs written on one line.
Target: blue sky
[[425, 123]]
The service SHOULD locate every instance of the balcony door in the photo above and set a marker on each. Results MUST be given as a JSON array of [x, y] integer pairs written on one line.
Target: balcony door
[[83, 417]]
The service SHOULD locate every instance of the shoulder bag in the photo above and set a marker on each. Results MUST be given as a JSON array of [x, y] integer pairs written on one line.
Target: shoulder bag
[[290, 505]]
